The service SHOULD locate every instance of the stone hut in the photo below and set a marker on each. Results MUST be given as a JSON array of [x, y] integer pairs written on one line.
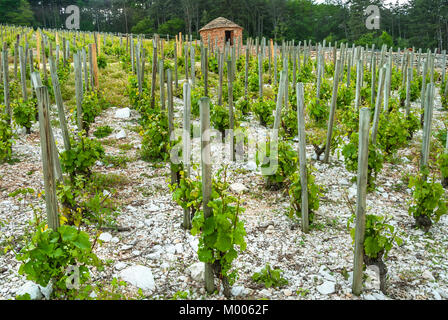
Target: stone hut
[[220, 31]]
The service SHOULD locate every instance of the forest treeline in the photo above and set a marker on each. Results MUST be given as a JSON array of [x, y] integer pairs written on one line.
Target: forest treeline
[[419, 23]]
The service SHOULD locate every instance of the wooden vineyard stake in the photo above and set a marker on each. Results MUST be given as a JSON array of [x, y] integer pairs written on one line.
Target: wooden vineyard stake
[[186, 146], [162, 85], [443, 66], [445, 92], [6, 82], [275, 64], [221, 75], [408, 92], [294, 66], [193, 69], [429, 104], [302, 156], [176, 77], [1, 67], [162, 51], [205, 72], [44, 62], [285, 67], [423, 90], [332, 111], [280, 100], [260, 77], [23, 73], [358, 84], [138, 65], [31, 62], [64, 55], [174, 172], [154, 73], [91, 65], [16, 49], [38, 41], [47, 159], [246, 74], [99, 44], [206, 179], [59, 104], [318, 78], [86, 73], [186, 61], [387, 83], [78, 90], [231, 115], [373, 70], [379, 98], [95, 67], [363, 152], [142, 66]]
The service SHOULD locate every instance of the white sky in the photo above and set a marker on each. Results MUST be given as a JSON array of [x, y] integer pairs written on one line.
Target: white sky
[[385, 1]]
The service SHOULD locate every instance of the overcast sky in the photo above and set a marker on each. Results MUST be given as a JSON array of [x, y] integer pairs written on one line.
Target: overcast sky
[[385, 1]]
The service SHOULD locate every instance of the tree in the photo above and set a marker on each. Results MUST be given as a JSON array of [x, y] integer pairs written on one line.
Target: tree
[[16, 12]]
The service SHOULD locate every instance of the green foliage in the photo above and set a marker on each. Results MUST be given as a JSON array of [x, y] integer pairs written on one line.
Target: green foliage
[[196, 94], [270, 277], [289, 122], [82, 156], [187, 193], [144, 26], [295, 195], [442, 161], [219, 118], [24, 113], [243, 106], [172, 26], [253, 82], [103, 131], [50, 253], [386, 39], [444, 102], [63, 73], [102, 61], [318, 111], [84, 201], [156, 140], [345, 96], [393, 132], [379, 236], [264, 111], [414, 92], [375, 158], [306, 74], [278, 161], [222, 233], [428, 197], [92, 105], [441, 136], [6, 135]]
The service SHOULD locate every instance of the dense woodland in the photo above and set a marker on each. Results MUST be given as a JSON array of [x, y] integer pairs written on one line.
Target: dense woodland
[[419, 23]]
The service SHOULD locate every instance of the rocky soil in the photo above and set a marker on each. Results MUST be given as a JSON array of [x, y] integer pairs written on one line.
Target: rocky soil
[[155, 254]]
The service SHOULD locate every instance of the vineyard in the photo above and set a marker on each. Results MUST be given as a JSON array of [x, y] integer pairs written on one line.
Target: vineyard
[[172, 168]]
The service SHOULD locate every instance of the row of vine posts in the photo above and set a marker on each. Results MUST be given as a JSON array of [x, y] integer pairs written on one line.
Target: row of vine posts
[[342, 57]]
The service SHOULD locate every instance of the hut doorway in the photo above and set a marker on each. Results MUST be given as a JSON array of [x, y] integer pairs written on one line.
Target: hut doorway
[[229, 37]]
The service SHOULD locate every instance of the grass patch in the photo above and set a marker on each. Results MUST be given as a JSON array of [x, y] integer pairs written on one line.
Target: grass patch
[[125, 147], [118, 161], [103, 131], [109, 180]]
